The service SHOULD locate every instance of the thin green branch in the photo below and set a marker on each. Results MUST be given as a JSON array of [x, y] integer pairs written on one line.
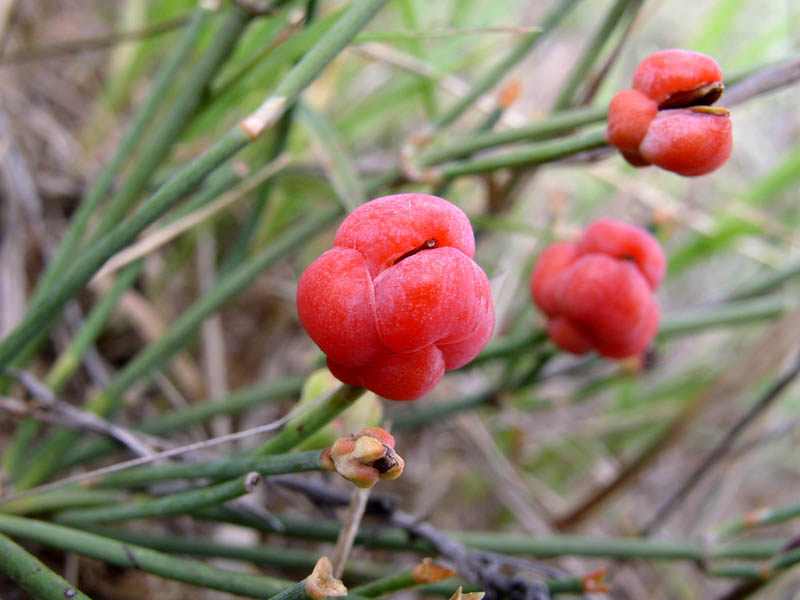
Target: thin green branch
[[180, 333], [173, 504], [33, 575], [133, 134], [287, 91], [177, 118], [265, 466], [590, 54], [551, 546], [293, 559], [180, 419], [759, 517], [555, 124], [527, 156], [130, 556], [741, 312], [297, 430], [497, 72], [60, 500]]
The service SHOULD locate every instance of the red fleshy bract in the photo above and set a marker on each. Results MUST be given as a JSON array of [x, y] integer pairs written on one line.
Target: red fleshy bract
[[597, 293], [659, 121], [390, 312]]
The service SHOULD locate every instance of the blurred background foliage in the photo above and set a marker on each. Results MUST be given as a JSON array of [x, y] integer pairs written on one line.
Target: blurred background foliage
[[521, 443]]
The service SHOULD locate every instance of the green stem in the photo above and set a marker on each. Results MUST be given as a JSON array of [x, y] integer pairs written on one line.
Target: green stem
[[239, 249], [44, 313], [298, 591], [731, 313], [265, 466], [590, 54], [308, 423], [767, 283], [533, 154], [33, 575], [411, 418], [174, 504], [500, 69], [287, 91], [177, 118], [758, 518], [130, 139], [509, 543], [67, 363], [60, 500], [568, 585], [284, 558], [554, 125], [130, 556], [180, 333], [183, 418]]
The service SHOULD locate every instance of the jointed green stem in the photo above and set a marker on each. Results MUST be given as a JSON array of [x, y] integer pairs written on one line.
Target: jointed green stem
[[553, 125], [68, 362], [33, 575], [308, 423], [173, 504], [287, 91], [296, 462], [499, 71], [293, 559], [135, 557], [180, 113], [509, 543], [590, 54], [178, 335], [526, 156], [60, 500], [132, 136], [759, 518], [177, 420]]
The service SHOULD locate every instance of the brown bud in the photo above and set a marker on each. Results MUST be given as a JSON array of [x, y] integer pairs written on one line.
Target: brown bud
[[459, 595], [595, 582], [429, 572], [321, 583], [365, 457]]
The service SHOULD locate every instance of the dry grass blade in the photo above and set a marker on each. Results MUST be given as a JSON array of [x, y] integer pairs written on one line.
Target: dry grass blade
[[155, 240]]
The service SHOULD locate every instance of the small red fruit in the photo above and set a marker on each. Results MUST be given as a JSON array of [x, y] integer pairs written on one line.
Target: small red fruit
[[598, 293], [398, 300], [667, 120]]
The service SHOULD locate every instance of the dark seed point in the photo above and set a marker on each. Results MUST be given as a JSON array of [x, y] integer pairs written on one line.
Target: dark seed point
[[428, 244], [702, 95]]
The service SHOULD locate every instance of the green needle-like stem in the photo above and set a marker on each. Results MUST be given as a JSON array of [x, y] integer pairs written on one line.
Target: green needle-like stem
[[555, 124], [497, 72], [526, 156], [183, 418], [61, 499], [173, 504], [265, 466], [133, 134], [297, 430], [180, 333], [590, 54], [287, 91], [130, 556], [33, 575]]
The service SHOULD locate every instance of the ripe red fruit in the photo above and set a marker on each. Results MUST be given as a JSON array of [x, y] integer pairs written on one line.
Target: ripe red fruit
[[667, 120], [398, 300], [598, 293]]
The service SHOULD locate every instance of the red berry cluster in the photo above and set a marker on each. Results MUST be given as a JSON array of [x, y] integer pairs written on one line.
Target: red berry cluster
[[598, 293], [667, 118], [398, 300]]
